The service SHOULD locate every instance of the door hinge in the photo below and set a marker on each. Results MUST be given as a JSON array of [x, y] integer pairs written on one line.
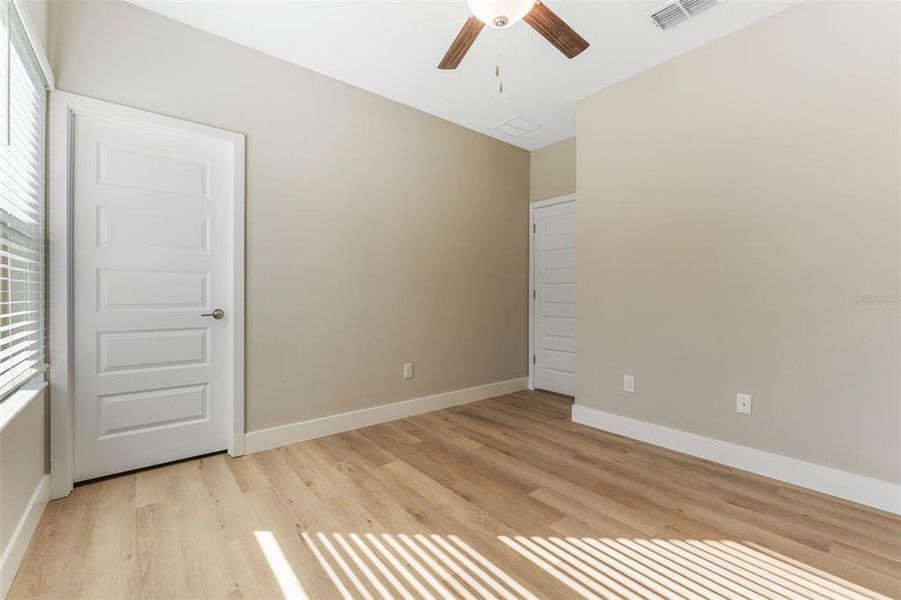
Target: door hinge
[[534, 228], [533, 295], [533, 359]]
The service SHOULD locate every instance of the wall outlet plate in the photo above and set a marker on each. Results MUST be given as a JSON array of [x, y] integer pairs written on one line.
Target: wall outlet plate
[[744, 403], [628, 383], [408, 370]]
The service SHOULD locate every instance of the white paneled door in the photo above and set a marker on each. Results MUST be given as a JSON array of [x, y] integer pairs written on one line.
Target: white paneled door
[[554, 303], [153, 292]]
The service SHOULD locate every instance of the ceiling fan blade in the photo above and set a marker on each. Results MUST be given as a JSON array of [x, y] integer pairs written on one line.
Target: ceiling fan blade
[[544, 21], [462, 43]]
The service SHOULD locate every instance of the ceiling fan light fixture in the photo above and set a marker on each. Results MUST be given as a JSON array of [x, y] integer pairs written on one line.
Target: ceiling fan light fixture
[[499, 14]]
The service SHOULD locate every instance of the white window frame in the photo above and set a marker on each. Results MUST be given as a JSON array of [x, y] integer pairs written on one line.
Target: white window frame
[[63, 108], [35, 41], [16, 401]]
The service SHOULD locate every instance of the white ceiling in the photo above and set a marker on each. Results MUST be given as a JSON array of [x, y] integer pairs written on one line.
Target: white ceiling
[[392, 48]]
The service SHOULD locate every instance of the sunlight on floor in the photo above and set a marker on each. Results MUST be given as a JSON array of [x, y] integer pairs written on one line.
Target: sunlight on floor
[[387, 566], [658, 568], [411, 566], [284, 574]]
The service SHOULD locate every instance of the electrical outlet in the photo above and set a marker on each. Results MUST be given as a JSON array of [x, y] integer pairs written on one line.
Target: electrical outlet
[[743, 403], [628, 383], [408, 370]]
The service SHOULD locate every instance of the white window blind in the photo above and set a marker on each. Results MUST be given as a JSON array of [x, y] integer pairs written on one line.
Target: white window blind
[[22, 108]]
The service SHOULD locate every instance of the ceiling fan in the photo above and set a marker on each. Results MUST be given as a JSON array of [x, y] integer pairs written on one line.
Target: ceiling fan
[[501, 14]]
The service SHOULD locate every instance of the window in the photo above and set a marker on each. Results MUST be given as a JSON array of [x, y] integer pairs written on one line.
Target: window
[[23, 98]]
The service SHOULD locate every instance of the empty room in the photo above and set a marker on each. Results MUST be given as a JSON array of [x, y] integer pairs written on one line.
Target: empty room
[[450, 299]]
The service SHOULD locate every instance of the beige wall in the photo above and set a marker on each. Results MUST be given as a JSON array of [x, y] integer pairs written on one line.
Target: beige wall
[[376, 234], [23, 463], [731, 204], [37, 15], [552, 170]]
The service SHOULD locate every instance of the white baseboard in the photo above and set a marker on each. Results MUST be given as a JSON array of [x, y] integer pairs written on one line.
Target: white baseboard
[[850, 486], [265, 439], [21, 537]]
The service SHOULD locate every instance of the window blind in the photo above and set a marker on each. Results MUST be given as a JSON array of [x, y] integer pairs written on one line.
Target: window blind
[[23, 106]]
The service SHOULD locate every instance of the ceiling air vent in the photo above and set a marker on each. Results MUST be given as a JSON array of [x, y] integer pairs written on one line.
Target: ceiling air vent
[[516, 127], [673, 13]]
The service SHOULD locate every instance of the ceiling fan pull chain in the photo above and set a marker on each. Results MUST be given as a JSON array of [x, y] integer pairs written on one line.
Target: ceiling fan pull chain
[[497, 67]]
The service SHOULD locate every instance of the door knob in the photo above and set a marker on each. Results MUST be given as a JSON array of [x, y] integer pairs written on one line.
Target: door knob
[[216, 314]]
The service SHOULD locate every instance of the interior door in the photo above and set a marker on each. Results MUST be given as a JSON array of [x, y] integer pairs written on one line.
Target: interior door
[[554, 314], [152, 210]]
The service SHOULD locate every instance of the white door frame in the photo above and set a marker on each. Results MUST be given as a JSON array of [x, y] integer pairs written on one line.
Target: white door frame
[[63, 108], [532, 208]]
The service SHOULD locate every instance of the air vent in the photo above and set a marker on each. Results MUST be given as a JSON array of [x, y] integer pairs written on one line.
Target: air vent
[[516, 127], [672, 13]]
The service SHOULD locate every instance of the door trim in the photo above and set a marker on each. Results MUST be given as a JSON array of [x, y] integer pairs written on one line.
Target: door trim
[[63, 108], [532, 208]]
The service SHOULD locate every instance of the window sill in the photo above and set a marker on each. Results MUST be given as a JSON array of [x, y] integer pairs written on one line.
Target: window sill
[[16, 402]]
